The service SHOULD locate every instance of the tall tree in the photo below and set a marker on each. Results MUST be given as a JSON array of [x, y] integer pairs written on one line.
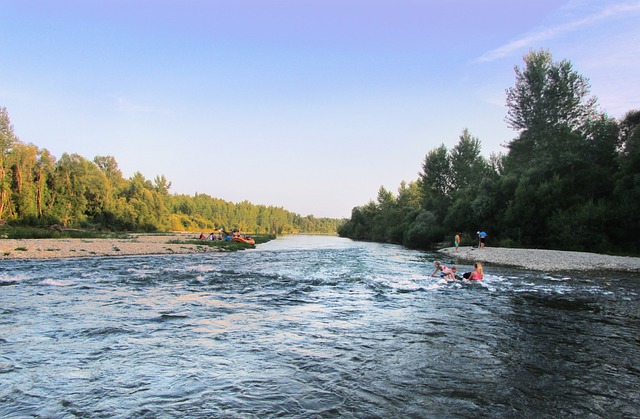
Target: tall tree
[[410, 195], [627, 189], [7, 141], [435, 179], [563, 141], [115, 182], [162, 185], [549, 102], [467, 164], [45, 168], [547, 94], [23, 164]]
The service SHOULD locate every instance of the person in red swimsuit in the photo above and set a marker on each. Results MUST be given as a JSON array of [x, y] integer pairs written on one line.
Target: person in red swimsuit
[[477, 273]]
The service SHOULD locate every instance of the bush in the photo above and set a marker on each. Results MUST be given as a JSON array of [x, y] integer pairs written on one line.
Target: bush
[[424, 232], [581, 228]]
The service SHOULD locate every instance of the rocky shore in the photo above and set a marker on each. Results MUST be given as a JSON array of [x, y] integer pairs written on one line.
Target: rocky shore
[[136, 244], [544, 260]]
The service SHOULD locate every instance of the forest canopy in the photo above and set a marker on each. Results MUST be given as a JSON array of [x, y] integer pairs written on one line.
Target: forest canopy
[[569, 180], [39, 190]]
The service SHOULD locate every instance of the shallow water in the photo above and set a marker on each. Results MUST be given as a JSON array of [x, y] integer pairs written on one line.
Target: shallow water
[[312, 326]]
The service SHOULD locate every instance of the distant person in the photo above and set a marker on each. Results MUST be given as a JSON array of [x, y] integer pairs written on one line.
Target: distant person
[[476, 275], [456, 241], [201, 236], [483, 238]]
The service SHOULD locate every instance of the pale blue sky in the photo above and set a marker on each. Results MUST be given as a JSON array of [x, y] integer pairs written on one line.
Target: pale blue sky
[[310, 105]]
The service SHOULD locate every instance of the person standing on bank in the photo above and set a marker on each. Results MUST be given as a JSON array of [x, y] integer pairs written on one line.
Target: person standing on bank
[[456, 241], [483, 238]]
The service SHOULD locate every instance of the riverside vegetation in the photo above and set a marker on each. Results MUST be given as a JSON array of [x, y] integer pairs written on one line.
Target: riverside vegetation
[[570, 179], [38, 190]]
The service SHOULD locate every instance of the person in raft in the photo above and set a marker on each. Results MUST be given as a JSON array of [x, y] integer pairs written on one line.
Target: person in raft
[[456, 241], [476, 275]]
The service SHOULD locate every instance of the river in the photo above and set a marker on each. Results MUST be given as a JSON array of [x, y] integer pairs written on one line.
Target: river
[[313, 327]]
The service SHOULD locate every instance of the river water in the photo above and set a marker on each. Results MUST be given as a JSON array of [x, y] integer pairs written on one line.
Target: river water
[[313, 326]]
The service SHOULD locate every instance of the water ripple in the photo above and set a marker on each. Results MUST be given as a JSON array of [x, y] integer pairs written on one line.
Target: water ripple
[[312, 327]]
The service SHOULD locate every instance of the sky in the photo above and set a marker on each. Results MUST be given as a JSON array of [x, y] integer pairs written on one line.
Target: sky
[[309, 105]]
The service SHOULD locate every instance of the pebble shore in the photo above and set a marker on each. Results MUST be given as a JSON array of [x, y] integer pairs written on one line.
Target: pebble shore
[[136, 244], [544, 260]]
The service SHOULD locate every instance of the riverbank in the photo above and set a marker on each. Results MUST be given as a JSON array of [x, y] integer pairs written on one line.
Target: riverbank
[[135, 244], [544, 260]]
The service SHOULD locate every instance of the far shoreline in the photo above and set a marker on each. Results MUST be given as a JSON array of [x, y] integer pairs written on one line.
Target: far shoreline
[[170, 243], [543, 259]]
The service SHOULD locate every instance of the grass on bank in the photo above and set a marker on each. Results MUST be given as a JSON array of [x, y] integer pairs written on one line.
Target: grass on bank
[[25, 232]]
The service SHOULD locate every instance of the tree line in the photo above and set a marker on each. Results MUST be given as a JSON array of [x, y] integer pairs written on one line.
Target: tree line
[[36, 189], [569, 180]]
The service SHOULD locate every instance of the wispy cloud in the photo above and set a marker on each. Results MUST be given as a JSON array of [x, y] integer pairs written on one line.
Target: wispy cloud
[[545, 34]]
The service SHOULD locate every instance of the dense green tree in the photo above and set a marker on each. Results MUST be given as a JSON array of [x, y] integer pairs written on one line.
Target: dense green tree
[[73, 191], [627, 186], [116, 183], [147, 209], [410, 195], [564, 156], [547, 106], [79, 190], [23, 161], [471, 192], [109, 166], [7, 141], [423, 229], [548, 94], [435, 179], [162, 185], [467, 163], [45, 168], [570, 179]]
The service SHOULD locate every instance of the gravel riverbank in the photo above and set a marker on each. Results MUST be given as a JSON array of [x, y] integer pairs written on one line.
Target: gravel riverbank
[[545, 260], [135, 244]]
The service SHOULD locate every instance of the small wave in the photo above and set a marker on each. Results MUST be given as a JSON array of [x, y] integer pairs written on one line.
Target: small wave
[[202, 268], [408, 285], [4, 283], [6, 367], [57, 282], [556, 279], [139, 273], [11, 279], [102, 331], [169, 317]]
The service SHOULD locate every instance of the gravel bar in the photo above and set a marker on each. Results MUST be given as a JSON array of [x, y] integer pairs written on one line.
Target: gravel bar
[[545, 260], [135, 244]]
